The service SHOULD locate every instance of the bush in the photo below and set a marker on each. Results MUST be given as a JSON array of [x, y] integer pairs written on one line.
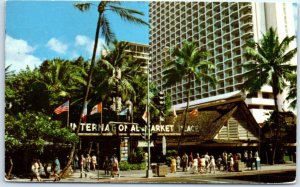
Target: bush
[[142, 166], [124, 166]]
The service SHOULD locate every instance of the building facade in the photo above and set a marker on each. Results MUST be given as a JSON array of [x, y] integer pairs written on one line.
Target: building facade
[[223, 28]]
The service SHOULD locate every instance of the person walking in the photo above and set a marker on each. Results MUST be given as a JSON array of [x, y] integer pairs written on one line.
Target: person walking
[[206, 156], [56, 169], [173, 165], [195, 165], [75, 162], [88, 162], [82, 166], [185, 162], [94, 162], [106, 165], [115, 167], [219, 163], [190, 160], [202, 164], [35, 171], [41, 168], [212, 164], [178, 162], [224, 159]]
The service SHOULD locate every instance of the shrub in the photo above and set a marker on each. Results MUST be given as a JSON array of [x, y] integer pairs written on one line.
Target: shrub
[[124, 166]]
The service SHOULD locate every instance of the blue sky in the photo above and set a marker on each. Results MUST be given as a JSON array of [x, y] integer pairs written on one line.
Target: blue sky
[[39, 30]]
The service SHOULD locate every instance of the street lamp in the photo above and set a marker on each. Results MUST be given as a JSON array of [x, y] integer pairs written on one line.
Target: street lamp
[[149, 171]]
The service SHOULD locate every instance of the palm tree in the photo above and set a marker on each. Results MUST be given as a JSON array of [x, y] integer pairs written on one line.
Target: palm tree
[[270, 65], [292, 95], [61, 77], [189, 64], [103, 24]]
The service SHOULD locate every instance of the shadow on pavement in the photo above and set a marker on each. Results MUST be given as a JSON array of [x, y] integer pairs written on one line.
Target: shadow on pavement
[[282, 177]]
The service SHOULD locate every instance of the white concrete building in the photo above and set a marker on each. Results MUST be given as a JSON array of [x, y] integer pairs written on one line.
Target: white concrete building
[[223, 29]]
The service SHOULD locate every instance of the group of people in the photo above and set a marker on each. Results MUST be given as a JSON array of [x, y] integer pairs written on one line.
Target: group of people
[[85, 164], [110, 166], [197, 163], [193, 163], [38, 170]]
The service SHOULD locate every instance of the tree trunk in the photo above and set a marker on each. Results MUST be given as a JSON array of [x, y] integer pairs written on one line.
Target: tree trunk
[[277, 125], [11, 164], [185, 114], [71, 155]]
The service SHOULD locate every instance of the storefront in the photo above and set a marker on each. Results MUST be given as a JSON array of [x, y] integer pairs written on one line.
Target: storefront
[[219, 126]]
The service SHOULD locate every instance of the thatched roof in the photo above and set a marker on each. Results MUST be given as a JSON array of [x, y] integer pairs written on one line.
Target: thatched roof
[[211, 118]]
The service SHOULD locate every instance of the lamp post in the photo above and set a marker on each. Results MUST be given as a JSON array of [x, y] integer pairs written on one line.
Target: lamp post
[[149, 171]]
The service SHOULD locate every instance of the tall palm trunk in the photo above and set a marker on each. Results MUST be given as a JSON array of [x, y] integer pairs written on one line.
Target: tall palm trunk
[[89, 79], [185, 113], [276, 121]]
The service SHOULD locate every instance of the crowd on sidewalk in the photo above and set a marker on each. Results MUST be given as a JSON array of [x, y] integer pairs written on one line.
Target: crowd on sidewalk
[[196, 163], [110, 165]]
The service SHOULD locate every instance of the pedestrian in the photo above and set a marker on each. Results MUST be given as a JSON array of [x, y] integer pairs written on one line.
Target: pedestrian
[[206, 156], [115, 167], [106, 165], [173, 165], [224, 159], [246, 158], [212, 164], [56, 169], [88, 162], [41, 168], [190, 160], [199, 162], [250, 160], [202, 164], [94, 162], [178, 161], [35, 171], [219, 162], [185, 162], [231, 163], [195, 165], [75, 162], [82, 166]]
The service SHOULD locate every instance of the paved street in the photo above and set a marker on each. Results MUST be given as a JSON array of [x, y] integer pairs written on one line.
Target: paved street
[[266, 174]]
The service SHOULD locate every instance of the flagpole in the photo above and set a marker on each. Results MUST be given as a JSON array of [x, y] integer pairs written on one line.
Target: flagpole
[[101, 134], [101, 121], [68, 115]]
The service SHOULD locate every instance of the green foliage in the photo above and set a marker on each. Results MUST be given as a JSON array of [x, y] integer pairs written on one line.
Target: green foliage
[[189, 64], [33, 131], [270, 63], [169, 154], [138, 155], [125, 166]]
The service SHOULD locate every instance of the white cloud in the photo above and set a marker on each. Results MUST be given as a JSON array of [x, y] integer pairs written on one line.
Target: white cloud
[[86, 44], [18, 54], [57, 46]]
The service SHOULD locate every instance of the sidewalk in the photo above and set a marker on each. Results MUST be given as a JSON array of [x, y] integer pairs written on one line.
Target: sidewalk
[[136, 176], [141, 174]]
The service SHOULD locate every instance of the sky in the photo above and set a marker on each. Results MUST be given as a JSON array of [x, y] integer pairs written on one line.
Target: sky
[[40, 30]]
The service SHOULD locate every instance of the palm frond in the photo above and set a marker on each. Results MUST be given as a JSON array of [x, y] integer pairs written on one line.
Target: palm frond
[[107, 33], [127, 14], [83, 6], [289, 55]]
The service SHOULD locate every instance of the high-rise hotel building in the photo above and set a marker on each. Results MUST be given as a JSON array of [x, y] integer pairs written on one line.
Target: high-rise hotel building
[[223, 28]]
